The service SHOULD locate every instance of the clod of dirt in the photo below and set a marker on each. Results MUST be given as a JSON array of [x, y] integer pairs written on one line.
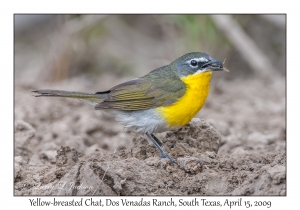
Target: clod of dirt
[[20, 164], [66, 158], [24, 133], [198, 135], [191, 165]]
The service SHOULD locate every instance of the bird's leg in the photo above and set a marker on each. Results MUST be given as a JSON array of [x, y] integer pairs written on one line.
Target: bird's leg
[[162, 152], [157, 140]]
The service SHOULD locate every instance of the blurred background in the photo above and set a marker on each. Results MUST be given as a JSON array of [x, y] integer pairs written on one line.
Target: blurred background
[[53, 48], [90, 53]]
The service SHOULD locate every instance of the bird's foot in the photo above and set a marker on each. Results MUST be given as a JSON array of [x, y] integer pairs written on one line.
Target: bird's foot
[[167, 156]]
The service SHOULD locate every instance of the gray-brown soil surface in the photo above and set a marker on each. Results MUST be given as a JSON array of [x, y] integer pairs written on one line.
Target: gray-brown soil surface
[[65, 147]]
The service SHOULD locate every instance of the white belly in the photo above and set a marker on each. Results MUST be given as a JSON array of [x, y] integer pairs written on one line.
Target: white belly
[[140, 121]]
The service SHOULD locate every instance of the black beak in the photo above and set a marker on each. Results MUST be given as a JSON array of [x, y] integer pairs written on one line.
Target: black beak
[[213, 65]]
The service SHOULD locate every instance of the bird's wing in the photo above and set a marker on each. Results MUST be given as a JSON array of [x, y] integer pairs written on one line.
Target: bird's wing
[[141, 94]]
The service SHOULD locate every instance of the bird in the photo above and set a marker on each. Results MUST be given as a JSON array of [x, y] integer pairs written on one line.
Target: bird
[[166, 98]]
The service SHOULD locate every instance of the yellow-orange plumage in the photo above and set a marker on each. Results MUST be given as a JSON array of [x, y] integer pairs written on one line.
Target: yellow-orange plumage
[[181, 112]]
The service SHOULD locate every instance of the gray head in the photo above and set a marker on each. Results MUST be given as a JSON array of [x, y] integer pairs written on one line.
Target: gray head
[[196, 62]]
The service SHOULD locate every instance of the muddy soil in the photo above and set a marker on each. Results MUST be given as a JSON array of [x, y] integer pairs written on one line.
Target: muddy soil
[[236, 145]]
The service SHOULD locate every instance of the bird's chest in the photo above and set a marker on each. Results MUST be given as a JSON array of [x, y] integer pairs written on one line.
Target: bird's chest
[[181, 112]]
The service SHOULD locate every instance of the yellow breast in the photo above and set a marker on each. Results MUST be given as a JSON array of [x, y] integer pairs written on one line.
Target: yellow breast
[[181, 112]]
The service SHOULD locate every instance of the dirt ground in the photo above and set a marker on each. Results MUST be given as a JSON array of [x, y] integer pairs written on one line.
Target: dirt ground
[[65, 147]]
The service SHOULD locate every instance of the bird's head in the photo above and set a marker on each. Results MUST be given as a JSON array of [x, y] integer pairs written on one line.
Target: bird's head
[[195, 63]]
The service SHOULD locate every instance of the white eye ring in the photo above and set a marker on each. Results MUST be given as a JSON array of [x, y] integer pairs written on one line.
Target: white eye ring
[[194, 63]]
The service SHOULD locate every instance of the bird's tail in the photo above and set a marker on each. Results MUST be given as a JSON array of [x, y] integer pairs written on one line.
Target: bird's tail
[[89, 98]]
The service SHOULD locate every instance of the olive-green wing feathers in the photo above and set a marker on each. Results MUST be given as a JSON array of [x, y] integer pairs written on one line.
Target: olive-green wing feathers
[[153, 90]]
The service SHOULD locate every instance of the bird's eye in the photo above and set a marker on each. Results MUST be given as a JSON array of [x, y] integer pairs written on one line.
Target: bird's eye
[[194, 63]]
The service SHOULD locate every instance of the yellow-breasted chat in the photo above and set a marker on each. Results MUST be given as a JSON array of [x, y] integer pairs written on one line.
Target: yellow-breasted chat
[[166, 98]]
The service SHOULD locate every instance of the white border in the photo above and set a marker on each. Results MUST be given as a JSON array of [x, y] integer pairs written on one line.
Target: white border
[[213, 6]]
